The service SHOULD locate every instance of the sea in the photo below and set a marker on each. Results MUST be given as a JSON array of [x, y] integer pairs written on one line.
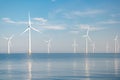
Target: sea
[[60, 66]]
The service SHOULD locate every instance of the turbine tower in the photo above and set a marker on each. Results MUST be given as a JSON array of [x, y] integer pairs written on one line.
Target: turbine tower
[[116, 43], [9, 42], [75, 46], [48, 45], [29, 34], [86, 40]]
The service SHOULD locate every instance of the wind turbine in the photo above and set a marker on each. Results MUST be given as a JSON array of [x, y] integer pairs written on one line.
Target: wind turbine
[[48, 45], [75, 46], [29, 34], [116, 43], [9, 42], [86, 40]]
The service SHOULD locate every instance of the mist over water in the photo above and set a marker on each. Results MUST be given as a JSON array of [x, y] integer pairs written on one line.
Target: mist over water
[[62, 66]]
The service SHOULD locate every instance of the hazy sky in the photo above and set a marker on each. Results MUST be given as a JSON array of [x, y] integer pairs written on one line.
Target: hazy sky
[[62, 21]]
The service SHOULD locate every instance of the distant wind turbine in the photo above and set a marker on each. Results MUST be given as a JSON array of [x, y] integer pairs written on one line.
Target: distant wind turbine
[[9, 42], [29, 34], [75, 46], [116, 43], [86, 41], [48, 45]]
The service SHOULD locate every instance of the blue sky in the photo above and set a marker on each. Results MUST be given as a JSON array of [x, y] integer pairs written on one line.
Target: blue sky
[[62, 21]]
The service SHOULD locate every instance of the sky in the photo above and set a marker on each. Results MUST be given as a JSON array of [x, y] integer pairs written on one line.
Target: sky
[[62, 21]]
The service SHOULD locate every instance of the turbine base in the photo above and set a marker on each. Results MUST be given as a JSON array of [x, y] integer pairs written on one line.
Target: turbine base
[[29, 52]]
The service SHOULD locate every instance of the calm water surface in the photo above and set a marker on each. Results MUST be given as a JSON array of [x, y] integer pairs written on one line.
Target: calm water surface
[[62, 66]]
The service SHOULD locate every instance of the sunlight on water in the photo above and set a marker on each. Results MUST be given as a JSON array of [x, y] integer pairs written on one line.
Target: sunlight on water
[[29, 70]]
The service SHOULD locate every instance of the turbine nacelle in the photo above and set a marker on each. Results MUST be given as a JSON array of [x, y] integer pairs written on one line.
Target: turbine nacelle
[[87, 37], [48, 41]]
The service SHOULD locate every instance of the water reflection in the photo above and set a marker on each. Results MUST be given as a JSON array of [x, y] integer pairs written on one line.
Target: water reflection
[[9, 66], [49, 67], [29, 69], [116, 66], [60, 68], [87, 74], [74, 67]]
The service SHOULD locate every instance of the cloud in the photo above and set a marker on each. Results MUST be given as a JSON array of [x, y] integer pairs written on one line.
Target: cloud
[[74, 32], [83, 13], [84, 26], [40, 19], [110, 22], [8, 20], [36, 20], [54, 27], [115, 15], [91, 28], [88, 12]]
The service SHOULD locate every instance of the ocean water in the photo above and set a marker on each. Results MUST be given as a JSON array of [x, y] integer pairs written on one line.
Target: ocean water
[[60, 66]]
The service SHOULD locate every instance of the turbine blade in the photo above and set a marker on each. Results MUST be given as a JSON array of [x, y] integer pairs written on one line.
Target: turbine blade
[[116, 37], [11, 37], [46, 41], [89, 38], [88, 31], [24, 31], [84, 35], [29, 21], [34, 29], [5, 38]]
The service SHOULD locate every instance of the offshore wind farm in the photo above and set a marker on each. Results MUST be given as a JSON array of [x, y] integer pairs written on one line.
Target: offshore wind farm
[[59, 40]]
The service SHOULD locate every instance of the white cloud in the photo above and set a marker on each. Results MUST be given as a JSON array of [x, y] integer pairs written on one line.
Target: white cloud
[[54, 27], [110, 22], [83, 13], [115, 15], [91, 28], [74, 32], [84, 26], [88, 12], [8, 20], [40, 19]]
